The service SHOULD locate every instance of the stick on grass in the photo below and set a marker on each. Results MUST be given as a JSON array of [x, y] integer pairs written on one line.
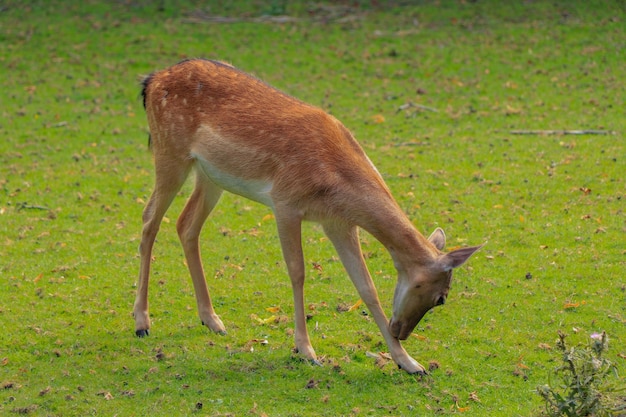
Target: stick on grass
[[561, 132]]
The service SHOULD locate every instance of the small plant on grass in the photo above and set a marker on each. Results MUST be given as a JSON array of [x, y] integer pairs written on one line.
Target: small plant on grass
[[583, 388]]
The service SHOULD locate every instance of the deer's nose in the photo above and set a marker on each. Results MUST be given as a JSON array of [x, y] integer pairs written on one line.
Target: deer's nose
[[441, 301]]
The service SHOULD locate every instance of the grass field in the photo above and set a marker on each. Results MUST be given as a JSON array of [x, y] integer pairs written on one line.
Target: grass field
[[436, 92]]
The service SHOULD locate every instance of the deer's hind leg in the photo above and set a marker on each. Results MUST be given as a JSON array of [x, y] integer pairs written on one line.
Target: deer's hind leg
[[202, 201], [169, 178]]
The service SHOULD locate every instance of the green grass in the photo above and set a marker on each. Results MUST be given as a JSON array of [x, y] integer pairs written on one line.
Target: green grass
[[75, 173]]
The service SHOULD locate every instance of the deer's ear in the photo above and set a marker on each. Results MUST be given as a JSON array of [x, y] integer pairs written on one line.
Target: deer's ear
[[438, 238], [457, 257]]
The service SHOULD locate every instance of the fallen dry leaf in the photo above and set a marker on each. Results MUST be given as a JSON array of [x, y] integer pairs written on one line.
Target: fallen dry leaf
[[378, 118], [568, 306], [259, 320], [312, 384], [356, 305]]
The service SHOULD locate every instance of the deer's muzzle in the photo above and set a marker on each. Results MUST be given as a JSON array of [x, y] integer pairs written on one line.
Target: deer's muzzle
[[402, 329]]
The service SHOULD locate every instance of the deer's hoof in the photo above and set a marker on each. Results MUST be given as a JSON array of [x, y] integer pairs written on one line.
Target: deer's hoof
[[414, 368], [219, 328], [415, 371], [142, 333]]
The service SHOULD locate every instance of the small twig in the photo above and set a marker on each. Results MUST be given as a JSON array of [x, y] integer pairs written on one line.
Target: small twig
[[24, 206], [60, 124], [418, 106], [398, 145], [561, 132], [227, 19]]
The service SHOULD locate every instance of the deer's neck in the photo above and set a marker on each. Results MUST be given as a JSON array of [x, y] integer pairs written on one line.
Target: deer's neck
[[389, 225]]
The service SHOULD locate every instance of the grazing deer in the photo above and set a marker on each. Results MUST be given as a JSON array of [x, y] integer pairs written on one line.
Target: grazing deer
[[241, 135]]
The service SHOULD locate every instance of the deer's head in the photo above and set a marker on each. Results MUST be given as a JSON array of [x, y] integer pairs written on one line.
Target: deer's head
[[422, 287]]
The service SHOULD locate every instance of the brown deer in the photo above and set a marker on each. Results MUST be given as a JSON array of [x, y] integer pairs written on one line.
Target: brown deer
[[241, 135]]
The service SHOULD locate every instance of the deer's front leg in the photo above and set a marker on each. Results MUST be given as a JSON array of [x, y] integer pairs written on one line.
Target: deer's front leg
[[289, 231], [345, 238]]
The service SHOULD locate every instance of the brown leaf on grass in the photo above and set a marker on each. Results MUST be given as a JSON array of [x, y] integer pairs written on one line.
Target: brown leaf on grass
[[315, 306], [381, 358], [256, 412], [312, 384], [510, 110], [283, 319], [433, 365], [25, 410], [378, 118], [106, 395], [249, 346], [520, 372], [343, 307], [573, 305], [254, 232]]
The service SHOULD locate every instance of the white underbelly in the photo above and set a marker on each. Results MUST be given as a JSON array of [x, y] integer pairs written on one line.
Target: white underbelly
[[257, 190]]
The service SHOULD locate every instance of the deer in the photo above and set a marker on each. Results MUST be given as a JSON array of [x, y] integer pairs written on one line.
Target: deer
[[239, 134]]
